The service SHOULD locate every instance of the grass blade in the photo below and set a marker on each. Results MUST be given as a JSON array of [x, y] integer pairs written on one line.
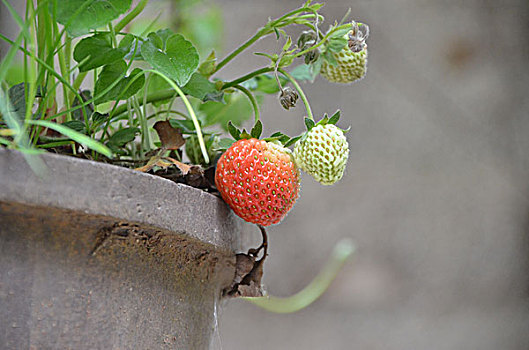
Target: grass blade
[[74, 135]]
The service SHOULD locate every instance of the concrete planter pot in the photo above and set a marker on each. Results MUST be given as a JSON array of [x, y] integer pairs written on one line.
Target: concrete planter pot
[[94, 256]]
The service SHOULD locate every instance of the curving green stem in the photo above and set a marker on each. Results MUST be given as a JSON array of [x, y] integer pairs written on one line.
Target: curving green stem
[[252, 99], [267, 29], [300, 92], [189, 110], [343, 250]]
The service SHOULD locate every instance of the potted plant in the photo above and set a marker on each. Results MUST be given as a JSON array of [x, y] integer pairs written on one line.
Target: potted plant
[[112, 235]]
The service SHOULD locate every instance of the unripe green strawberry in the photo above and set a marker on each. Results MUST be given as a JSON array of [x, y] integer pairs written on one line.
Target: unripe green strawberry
[[352, 66], [351, 61], [258, 180], [323, 153]]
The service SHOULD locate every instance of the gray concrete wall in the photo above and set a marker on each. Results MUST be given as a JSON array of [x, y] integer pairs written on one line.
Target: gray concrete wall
[[436, 191]]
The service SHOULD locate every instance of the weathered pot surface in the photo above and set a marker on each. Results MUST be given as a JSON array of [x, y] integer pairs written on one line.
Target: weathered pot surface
[[95, 256]]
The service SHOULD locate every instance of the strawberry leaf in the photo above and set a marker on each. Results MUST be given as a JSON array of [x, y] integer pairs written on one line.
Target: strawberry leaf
[[121, 137], [309, 123], [207, 67], [124, 89], [79, 16], [336, 44], [293, 140], [234, 132], [76, 125], [257, 129], [97, 50], [327, 55], [172, 55], [323, 120], [224, 144], [245, 135], [335, 117]]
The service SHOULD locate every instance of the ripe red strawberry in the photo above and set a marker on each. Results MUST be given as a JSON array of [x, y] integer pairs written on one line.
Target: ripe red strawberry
[[258, 180]]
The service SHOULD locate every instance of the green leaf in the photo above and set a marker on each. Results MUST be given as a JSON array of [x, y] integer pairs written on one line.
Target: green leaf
[[76, 125], [265, 83], [199, 86], [217, 96], [257, 130], [123, 136], [341, 33], [79, 16], [99, 118], [302, 73], [78, 114], [208, 66], [307, 72], [234, 132], [224, 144], [237, 109], [293, 141], [336, 44], [97, 50], [110, 74], [17, 97], [309, 123], [335, 117], [315, 68], [74, 135], [245, 135], [324, 120], [177, 58], [278, 136], [327, 55]]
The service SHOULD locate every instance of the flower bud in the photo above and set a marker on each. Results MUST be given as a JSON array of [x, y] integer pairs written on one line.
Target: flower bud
[[288, 98], [307, 39], [312, 56]]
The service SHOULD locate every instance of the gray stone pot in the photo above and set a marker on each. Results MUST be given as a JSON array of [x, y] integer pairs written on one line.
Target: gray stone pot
[[94, 256]]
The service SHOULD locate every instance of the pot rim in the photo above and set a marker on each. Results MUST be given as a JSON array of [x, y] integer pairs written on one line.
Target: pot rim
[[103, 189]]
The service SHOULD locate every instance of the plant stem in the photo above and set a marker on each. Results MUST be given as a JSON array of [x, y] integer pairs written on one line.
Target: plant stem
[[131, 15], [66, 76], [267, 29], [252, 99], [341, 253], [144, 114], [247, 77], [152, 97], [240, 49], [300, 92]]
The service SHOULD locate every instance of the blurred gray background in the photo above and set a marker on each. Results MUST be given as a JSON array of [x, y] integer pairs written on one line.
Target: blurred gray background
[[436, 193], [436, 190]]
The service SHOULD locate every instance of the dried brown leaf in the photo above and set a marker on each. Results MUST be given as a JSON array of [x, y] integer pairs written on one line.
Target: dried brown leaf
[[170, 137], [164, 163]]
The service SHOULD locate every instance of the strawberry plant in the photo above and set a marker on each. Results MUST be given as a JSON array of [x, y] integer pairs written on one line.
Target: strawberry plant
[[96, 85]]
